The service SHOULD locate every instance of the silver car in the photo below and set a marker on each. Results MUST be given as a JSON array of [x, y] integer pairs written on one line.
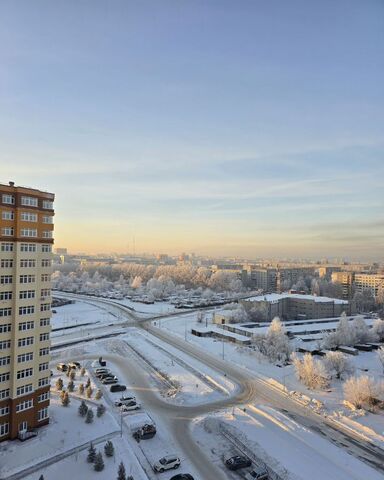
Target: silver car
[[167, 463]]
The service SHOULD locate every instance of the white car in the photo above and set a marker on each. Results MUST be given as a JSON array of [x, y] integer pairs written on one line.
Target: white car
[[129, 406], [167, 463], [124, 401]]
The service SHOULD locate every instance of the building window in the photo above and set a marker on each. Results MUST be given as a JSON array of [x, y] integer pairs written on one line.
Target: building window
[[28, 232], [29, 201], [5, 361], [27, 278], [45, 277], [5, 295], [45, 307], [4, 394], [4, 411], [44, 337], [48, 205], [4, 377], [46, 263], [24, 389], [5, 279], [43, 382], [43, 367], [28, 247], [4, 429], [4, 344], [7, 247], [47, 234], [29, 310], [27, 372], [47, 219], [26, 294], [24, 405], [45, 322], [26, 325], [44, 351], [27, 263], [24, 342], [25, 357], [45, 292], [6, 263], [28, 217], [42, 414], [8, 199], [6, 328], [5, 312], [46, 248], [7, 231], [7, 215], [43, 397]]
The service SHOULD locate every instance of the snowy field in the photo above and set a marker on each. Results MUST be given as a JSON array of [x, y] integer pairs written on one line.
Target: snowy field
[[78, 314], [269, 436]]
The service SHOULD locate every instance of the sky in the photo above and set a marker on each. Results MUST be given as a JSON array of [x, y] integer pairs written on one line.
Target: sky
[[241, 128]]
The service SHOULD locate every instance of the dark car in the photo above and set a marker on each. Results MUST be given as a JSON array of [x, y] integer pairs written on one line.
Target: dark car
[[118, 388], [182, 476], [237, 462]]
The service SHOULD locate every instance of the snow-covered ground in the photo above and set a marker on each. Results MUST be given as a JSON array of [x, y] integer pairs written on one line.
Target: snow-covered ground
[[78, 314], [269, 436]]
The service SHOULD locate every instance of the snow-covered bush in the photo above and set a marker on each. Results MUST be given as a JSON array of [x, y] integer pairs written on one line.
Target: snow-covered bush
[[91, 453], [98, 464], [100, 410], [121, 474], [378, 329], [337, 364], [363, 391], [89, 416], [109, 449], [310, 372], [83, 409]]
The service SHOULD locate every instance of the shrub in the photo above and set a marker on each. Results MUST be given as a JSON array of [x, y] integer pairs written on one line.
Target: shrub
[[89, 416], [109, 449], [100, 410], [83, 409]]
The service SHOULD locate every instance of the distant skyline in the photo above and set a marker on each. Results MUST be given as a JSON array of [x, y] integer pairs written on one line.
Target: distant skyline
[[249, 128]]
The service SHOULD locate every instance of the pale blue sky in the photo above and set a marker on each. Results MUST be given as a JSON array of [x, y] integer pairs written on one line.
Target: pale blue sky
[[231, 127]]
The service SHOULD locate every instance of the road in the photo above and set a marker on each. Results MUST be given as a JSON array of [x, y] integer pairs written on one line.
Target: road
[[251, 390]]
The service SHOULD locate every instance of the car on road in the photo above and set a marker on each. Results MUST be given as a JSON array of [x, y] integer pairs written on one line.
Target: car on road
[[259, 473], [118, 388], [237, 462], [109, 380], [167, 463], [124, 400], [129, 406], [182, 476], [62, 367]]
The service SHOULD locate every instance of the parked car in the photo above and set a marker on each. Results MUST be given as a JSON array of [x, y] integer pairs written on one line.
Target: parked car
[[237, 462], [259, 473], [167, 463], [124, 401], [62, 367], [101, 376], [145, 432], [129, 406], [109, 380], [101, 370], [74, 365], [182, 476], [118, 388]]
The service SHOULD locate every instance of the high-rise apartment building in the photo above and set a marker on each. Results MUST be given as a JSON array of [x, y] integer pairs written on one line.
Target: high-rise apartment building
[[346, 280], [372, 282], [26, 238]]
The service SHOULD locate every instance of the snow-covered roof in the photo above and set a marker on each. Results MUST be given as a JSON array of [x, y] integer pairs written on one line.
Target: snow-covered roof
[[275, 297]]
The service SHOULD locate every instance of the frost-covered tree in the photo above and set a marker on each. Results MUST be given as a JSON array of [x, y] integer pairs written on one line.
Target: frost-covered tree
[[310, 372], [70, 386], [91, 453], [364, 301], [363, 391], [137, 283], [83, 409], [274, 345], [98, 394], [109, 449], [380, 354], [121, 474], [88, 383], [98, 464], [72, 374], [89, 392], [82, 372], [81, 388], [337, 364], [89, 416], [378, 329], [65, 401], [59, 384], [100, 410]]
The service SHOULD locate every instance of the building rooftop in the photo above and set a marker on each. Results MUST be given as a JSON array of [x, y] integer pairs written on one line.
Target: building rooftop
[[275, 297]]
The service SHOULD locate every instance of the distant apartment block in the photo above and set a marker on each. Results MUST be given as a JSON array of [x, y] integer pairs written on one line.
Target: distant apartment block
[[26, 238], [367, 281], [295, 307], [346, 280], [277, 279]]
